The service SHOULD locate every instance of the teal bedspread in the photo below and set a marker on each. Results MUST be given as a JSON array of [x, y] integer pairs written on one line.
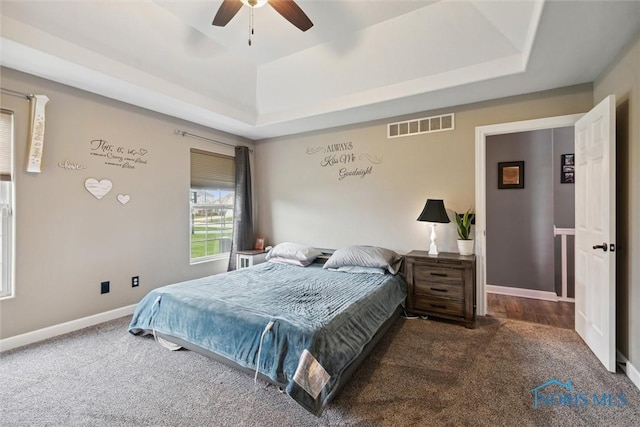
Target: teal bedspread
[[321, 321]]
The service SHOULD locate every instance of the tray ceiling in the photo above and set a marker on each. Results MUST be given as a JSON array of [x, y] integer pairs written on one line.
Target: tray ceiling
[[362, 60]]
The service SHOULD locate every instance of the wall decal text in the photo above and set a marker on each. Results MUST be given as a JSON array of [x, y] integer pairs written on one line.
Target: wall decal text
[[118, 155], [345, 160], [71, 165]]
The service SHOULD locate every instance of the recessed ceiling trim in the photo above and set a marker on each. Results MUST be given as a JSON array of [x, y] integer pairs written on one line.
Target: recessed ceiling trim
[[536, 15], [191, 107], [473, 74]]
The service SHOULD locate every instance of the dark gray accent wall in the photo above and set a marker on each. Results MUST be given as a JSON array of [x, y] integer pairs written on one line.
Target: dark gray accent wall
[[563, 208], [521, 249], [563, 194]]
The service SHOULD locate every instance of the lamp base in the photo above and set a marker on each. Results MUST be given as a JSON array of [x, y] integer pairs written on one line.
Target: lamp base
[[433, 249]]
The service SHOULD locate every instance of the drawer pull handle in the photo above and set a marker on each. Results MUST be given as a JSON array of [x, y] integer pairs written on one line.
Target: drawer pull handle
[[438, 306], [439, 290], [439, 274]]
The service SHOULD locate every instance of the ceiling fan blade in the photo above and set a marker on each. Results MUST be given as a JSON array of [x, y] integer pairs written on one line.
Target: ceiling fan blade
[[292, 13], [228, 10]]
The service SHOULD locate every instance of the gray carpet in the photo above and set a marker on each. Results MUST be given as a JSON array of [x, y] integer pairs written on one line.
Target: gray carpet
[[422, 373]]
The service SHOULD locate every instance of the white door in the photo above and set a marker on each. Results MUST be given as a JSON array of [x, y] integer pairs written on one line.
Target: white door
[[595, 290]]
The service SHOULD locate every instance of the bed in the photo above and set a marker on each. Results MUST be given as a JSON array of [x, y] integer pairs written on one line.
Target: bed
[[302, 326]]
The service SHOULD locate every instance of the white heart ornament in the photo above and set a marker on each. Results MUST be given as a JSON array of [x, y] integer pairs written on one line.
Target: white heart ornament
[[98, 188], [124, 198]]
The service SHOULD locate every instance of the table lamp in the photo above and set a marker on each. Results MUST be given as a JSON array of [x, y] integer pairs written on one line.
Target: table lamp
[[434, 213]]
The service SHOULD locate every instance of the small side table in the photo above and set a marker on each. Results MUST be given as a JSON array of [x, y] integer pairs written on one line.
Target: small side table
[[442, 286], [250, 258]]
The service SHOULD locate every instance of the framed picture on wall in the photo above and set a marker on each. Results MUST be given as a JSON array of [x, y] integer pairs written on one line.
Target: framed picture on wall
[[567, 169], [511, 174]]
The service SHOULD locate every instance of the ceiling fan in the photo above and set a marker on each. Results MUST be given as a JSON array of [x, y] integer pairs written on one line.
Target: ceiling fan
[[287, 8]]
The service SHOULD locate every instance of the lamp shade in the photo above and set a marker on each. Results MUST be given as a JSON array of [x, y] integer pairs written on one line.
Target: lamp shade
[[434, 212]]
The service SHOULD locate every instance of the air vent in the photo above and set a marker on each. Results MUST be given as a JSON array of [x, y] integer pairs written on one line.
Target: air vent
[[423, 125]]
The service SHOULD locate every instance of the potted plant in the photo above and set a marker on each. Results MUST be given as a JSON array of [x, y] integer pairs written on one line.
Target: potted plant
[[464, 221]]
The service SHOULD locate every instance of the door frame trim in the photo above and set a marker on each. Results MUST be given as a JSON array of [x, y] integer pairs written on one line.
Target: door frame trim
[[482, 132]]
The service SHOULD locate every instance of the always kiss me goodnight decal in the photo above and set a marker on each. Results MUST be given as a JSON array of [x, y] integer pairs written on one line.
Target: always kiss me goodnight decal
[[346, 161]]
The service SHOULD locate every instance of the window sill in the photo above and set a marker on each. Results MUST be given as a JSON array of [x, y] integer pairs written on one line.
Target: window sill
[[221, 257], [7, 297]]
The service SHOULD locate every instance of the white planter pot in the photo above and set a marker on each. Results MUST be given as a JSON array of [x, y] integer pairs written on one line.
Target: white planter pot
[[465, 247]]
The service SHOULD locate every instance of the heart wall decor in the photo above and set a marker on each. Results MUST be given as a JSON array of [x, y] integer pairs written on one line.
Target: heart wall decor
[[124, 198], [98, 188]]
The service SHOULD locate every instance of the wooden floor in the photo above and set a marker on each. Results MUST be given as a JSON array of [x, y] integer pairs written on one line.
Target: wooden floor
[[558, 314]]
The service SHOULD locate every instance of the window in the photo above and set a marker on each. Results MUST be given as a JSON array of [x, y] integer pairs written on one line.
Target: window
[[6, 199], [212, 196]]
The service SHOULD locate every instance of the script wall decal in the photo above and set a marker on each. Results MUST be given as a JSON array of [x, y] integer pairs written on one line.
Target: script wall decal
[[344, 160], [99, 189], [118, 155], [71, 165]]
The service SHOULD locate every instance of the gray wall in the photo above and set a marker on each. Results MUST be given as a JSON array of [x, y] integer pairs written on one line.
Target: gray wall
[[521, 249], [62, 256], [301, 200], [622, 79], [520, 221], [563, 208], [67, 241]]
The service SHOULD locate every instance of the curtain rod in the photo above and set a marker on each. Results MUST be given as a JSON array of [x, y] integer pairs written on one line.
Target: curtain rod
[[16, 93], [204, 138]]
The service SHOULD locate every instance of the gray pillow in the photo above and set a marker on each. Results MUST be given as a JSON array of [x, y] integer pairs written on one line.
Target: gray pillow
[[359, 269], [289, 261], [365, 256]]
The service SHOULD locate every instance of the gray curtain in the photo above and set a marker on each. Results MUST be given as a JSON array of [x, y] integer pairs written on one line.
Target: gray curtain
[[242, 211]]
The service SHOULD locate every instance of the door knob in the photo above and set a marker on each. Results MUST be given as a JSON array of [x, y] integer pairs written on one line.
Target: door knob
[[603, 246]]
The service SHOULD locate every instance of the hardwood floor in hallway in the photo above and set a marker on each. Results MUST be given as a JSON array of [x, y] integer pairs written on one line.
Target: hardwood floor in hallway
[[558, 314]]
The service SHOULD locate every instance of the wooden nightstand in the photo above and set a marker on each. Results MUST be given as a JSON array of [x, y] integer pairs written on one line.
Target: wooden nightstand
[[442, 286], [250, 258]]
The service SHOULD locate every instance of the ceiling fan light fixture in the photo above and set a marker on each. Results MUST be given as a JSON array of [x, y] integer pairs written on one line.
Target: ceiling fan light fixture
[[254, 3], [288, 9]]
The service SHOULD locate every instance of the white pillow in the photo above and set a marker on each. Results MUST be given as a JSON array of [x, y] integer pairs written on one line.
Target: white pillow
[[294, 251], [365, 256]]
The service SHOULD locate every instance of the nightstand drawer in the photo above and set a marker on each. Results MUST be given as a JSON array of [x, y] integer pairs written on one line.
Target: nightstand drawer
[[438, 290], [438, 274], [439, 306]]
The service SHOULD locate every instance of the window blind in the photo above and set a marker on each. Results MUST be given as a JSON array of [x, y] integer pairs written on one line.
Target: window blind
[[209, 170], [6, 138]]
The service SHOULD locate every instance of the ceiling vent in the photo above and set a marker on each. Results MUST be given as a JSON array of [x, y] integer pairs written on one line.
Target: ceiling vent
[[423, 125]]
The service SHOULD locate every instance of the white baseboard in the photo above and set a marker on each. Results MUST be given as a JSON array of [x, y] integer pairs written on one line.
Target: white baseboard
[[633, 374], [64, 328], [524, 293], [629, 369]]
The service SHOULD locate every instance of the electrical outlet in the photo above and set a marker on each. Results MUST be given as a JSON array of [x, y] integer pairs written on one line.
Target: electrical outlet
[[135, 281], [104, 287]]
